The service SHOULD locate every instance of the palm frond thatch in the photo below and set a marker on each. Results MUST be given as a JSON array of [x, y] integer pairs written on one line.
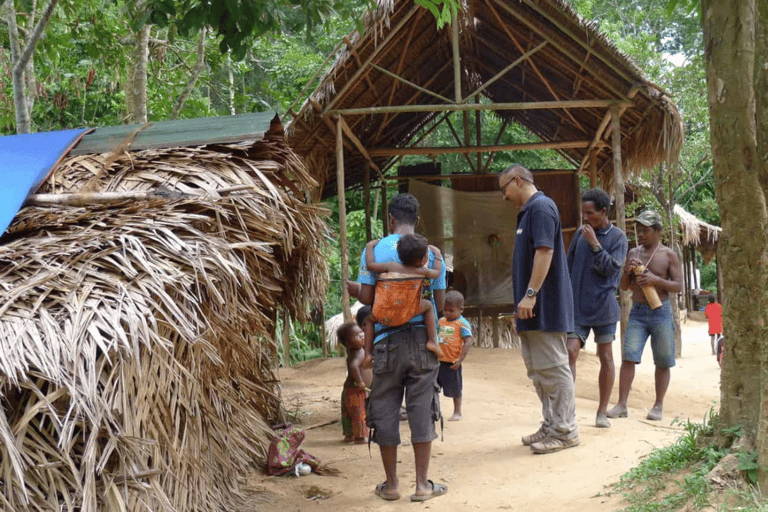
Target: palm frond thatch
[[135, 370]]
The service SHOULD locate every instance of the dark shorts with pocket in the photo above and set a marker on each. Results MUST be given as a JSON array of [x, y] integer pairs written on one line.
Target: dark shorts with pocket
[[450, 380], [403, 367]]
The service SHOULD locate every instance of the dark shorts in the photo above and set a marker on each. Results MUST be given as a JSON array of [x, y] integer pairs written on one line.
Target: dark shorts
[[402, 366], [603, 333], [450, 380]]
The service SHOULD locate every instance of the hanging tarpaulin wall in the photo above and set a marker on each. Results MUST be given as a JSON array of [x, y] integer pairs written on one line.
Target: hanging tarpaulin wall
[[478, 233], [26, 161]]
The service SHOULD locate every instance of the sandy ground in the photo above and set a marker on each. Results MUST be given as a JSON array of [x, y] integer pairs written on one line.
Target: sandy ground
[[481, 459]]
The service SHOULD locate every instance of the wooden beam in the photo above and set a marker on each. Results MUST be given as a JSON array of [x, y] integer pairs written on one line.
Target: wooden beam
[[460, 107], [505, 70], [506, 147], [456, 57], [458, 141], [399, 70], [604, 124], [359, 146], [423, 136], [585, 45], [359, 64], [491, 157], [592, 167], [379, 48], [342, 221], [533, 64], [621, 220], [384, 211], [536, 28], [367, 199], [408, 82]]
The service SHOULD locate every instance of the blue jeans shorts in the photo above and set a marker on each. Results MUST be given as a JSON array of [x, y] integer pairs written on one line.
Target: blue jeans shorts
[[656, 323], [603, 333]]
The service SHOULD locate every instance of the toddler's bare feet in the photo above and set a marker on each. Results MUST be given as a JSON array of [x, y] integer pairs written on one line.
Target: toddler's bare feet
[[434, 347], [456, 417]]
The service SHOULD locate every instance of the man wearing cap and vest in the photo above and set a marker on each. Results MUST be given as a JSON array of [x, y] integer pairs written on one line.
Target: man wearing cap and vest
[[651, 267]]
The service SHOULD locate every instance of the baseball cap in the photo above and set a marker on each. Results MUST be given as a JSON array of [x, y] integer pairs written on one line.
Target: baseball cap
[[649, 218]]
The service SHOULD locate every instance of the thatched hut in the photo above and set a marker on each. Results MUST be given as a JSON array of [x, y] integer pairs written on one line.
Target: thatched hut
[[534, 63], [136, 374]]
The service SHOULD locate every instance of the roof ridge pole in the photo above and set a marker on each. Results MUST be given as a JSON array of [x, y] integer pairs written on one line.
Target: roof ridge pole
[[342, 220]]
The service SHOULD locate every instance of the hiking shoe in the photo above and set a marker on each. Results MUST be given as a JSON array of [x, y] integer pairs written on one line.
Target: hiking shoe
[[554, 444], [537, 436]]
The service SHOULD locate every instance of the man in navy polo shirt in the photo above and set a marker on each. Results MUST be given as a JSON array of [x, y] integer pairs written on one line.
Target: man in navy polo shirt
[[542, 293], [595, 259]]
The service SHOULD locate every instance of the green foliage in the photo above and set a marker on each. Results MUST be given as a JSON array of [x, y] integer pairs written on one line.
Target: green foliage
[[443, 10], [237, 23], [748, 463], [645, 486]]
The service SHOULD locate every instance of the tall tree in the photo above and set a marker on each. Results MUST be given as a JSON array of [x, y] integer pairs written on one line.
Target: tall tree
[[21, 58], [737, 58]]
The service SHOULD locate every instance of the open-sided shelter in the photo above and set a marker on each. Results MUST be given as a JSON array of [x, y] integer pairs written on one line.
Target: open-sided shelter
[[532, 62], [141, 283]]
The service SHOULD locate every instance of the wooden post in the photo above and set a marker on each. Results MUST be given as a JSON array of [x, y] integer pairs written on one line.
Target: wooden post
[[719, 279], [286, 339], [479, 325], [367, 199], [342, 221], [323, 334], [686, 280], [495, 329], [593, 168], [621, 221], [384, 212]]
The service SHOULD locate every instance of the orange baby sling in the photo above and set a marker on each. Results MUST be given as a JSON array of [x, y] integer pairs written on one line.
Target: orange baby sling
[[397, 299]]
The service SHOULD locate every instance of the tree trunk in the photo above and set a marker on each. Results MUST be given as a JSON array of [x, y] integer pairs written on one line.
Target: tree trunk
[[729, 40], [22, 63], [761, 86], [231, 83], [138, 85], [193, 78]]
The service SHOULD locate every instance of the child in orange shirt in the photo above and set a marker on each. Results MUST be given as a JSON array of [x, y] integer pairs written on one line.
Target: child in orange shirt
[[455, 335]]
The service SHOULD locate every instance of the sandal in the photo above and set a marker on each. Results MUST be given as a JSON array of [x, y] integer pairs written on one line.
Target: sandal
[[381, 492], [437, 490]]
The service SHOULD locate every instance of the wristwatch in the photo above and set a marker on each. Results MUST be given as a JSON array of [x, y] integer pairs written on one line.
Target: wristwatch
[[530, 292], [597, 248]]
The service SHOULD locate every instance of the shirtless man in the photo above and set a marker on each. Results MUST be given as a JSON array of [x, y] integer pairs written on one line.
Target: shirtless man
[[664, 274]]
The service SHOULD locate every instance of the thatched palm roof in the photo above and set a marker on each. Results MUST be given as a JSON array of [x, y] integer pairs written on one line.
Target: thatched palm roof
[[521, 53], [135, 370], [697, 233]]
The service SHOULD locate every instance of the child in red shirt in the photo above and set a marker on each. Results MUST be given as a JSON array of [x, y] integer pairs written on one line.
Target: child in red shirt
[[714, 314]]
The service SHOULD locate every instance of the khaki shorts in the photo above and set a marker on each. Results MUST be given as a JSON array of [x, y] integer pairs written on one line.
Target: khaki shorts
[[402, 366]]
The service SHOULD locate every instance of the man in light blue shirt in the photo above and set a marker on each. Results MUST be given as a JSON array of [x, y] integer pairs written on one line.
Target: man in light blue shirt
[[402, 366]]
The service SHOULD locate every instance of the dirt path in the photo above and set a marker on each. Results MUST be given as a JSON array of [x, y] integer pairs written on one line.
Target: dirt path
[[481, 459]]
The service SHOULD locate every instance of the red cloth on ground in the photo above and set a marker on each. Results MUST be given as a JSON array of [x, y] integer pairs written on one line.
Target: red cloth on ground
[[714, 314]]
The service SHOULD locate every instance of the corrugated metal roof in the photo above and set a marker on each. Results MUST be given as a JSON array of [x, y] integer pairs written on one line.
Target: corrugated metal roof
[[182, 132]]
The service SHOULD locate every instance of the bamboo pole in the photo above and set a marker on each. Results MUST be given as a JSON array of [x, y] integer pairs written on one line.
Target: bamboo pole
[[408, 82], [383, 44], [367, 199], [621, 221], [436, 150], [460, 107], [342, 220], [504, 71], [384, 212], [286, 339], [593, 168], [323, 334]]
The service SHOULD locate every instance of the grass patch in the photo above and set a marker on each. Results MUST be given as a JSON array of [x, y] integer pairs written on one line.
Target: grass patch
[[674, 478]]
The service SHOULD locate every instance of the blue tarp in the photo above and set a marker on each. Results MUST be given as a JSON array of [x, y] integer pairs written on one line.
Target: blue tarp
[[25, 162]]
